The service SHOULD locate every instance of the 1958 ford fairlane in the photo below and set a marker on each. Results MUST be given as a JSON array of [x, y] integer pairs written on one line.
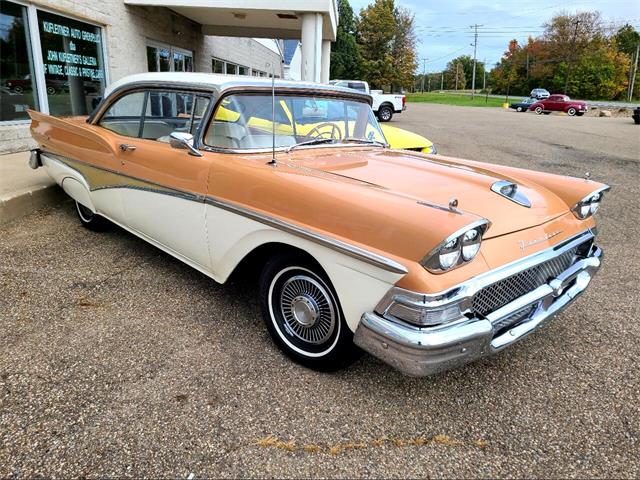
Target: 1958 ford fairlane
[[424, 261]]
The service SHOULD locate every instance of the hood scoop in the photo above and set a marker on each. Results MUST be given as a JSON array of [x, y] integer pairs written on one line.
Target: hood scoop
[[509, 190]]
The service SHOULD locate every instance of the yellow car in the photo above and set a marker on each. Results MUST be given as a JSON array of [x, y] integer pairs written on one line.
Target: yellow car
[[405, 140], [397, 138]]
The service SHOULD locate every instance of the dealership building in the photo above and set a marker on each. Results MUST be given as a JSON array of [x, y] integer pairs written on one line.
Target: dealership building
[[57, 56]]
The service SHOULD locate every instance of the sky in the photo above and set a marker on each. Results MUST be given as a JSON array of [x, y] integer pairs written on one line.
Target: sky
[[444, 33]]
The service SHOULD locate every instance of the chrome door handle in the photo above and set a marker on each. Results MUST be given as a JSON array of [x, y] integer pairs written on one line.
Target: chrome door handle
[[126, 147]]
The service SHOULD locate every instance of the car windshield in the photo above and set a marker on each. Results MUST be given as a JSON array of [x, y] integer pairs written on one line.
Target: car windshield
[[246, 121]]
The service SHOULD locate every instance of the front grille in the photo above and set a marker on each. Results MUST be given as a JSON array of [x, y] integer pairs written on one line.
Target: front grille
[[505, 291]]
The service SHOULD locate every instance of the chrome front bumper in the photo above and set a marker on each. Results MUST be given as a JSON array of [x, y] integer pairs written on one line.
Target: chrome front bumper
[[421, 351]]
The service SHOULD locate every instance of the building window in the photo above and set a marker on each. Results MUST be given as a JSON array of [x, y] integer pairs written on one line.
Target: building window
[[228, 68], [217, 66], [167, 58], [17, 79], [73, 63], [232, 69]]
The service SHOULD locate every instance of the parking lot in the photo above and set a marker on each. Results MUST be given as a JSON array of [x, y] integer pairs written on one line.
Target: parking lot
[[118, 360]]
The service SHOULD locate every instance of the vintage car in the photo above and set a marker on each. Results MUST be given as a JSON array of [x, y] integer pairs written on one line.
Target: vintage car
[[559, 103], [425, 261], [401, 139]]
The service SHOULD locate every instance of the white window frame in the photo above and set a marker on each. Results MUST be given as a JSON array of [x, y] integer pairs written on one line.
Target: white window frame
[[172, 49], [36, 54]]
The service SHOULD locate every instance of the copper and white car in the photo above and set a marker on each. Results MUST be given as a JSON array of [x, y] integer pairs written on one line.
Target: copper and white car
[[425, 261]]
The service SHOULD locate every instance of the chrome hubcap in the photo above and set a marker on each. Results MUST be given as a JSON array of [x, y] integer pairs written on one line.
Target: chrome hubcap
[[307, 308]]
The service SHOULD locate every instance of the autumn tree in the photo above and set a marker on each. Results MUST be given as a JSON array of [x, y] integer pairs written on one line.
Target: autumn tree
[[403, 49], [574, 51], [387, 41], [345, 55]]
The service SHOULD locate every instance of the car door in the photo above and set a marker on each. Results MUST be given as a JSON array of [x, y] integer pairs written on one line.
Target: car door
[[164, 196], [553, 103]]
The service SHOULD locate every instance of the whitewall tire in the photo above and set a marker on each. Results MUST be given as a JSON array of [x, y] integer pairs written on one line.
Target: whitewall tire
[[303, 315], [91, 220]]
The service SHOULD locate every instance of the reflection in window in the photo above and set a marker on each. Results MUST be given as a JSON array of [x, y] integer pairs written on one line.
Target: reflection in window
[[161, 58], [123, 117], [243, 70], [17, 81], [73, 63]]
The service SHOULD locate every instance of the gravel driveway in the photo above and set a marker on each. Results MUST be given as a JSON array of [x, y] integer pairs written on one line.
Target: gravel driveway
[[118, 360]]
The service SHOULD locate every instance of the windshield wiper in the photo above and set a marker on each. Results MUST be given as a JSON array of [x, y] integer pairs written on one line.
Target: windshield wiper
[[364, 140], [315, 141]]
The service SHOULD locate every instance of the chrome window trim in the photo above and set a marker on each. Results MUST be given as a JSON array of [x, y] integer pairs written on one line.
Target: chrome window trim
[[464, 292], [282, 92], [340, 246]]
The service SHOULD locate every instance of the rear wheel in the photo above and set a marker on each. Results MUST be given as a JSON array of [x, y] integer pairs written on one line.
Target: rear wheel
[[539, 110], [518, 109], [571, 111], [303, 315], [91, 220], [385, 113]]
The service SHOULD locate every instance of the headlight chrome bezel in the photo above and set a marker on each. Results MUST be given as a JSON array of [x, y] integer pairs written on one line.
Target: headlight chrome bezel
[[456, 242], [590, 204]]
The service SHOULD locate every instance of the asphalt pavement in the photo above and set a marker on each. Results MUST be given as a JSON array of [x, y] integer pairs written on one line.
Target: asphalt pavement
[[118, 360]]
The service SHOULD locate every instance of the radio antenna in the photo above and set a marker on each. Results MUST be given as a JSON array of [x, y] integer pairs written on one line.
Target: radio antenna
[[273, 161]]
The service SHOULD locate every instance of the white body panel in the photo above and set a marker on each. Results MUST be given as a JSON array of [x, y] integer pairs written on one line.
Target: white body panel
[[174, 222], [213, 240]]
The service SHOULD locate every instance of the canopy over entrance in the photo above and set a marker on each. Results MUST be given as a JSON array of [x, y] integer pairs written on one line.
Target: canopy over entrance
[[314, 22]]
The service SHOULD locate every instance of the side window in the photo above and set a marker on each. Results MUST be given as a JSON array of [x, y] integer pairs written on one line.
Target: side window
[[166, 112], [123, 117]]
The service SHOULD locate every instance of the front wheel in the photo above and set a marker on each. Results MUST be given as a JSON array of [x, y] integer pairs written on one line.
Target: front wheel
[[539, 110], [571, 112], [303, 315], [91, 220], [385, 113], [519, 109]]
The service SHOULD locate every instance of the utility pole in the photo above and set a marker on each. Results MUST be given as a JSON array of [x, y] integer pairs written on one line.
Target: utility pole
[[424, 72], [484, 77], [475, 49], [442, 80], [570, 56], [635, 71]]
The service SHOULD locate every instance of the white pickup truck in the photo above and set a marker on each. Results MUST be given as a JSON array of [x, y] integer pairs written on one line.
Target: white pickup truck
[[384, 104]]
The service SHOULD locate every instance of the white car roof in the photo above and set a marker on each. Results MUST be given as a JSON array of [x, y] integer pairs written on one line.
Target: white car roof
[[220, 83]]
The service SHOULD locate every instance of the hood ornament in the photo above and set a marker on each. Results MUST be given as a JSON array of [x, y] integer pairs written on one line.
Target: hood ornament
[[453, 205], [510, 191]]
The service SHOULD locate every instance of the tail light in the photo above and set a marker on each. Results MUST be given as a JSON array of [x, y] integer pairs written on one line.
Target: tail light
[[404, 101]]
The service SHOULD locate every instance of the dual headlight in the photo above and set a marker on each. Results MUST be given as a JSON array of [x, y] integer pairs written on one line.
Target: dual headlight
[[589, 204], [457, 249]]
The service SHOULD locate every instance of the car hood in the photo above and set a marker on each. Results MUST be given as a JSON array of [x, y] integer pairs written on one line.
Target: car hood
[[434, 181]]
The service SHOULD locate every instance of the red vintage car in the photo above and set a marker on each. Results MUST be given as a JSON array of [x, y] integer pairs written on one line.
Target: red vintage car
[[559, 103]]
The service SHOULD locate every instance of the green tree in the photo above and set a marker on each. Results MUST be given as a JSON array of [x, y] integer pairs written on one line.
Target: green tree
[[345, 55], [466, 61], [454, 76]]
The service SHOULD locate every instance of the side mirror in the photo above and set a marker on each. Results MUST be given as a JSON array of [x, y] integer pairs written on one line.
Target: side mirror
[[184, 140]]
